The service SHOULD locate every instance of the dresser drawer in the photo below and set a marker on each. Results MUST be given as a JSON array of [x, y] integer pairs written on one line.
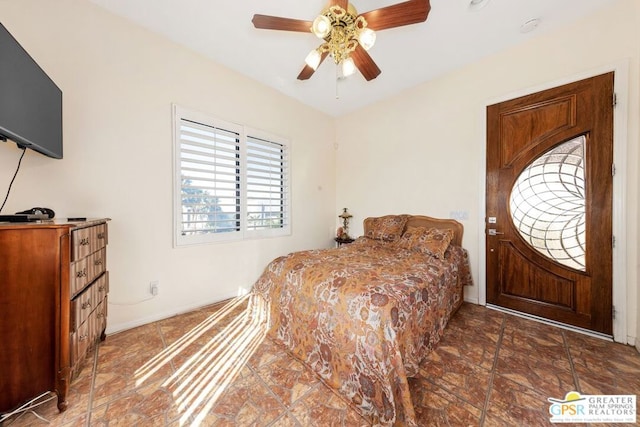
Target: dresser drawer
[[100, 289], [98, 320], [87, 301], [85, 241], [85, 270], [96, 264], [87, 335], [79, 276], [82, 307], [79, 343]]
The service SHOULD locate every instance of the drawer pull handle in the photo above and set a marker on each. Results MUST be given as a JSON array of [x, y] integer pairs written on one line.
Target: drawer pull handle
[[83, 337], [97, 262], [100, 235], [82, 273], [101, 288], [84, 242], [99, 315], [86, 305]]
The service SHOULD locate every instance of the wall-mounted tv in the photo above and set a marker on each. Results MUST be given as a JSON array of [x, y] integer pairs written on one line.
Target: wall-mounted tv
[[30, 102]]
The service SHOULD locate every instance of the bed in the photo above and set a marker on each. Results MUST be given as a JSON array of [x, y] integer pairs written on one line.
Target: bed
[[364, 315]]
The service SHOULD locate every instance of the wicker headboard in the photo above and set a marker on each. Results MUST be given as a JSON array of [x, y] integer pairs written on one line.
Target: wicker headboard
[[429, 222]]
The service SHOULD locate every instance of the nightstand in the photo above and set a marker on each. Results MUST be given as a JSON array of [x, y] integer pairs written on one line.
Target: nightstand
[[342, 241]]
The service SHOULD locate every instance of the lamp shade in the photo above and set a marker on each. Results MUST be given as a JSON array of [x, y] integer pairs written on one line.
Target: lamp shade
[[348, 67], [345, 214], [313, 59], [367, 38], [321, 26]]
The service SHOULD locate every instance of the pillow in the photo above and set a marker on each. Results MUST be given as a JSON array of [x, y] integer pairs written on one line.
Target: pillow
[[388, 228], [430, 241]]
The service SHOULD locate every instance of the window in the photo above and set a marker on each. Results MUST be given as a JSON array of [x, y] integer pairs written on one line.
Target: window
[[548, 204], [231, 182]]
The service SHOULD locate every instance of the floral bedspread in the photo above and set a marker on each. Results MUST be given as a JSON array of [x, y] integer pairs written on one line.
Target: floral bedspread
[[363, 316]]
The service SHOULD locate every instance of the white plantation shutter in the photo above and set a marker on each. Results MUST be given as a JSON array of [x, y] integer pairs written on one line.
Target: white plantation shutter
[[228, 186], [267, 176]]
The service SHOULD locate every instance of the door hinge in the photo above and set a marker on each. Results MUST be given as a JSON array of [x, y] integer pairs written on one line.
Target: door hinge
[[613, 169], [615, 99], [613, 312], [613, 241]]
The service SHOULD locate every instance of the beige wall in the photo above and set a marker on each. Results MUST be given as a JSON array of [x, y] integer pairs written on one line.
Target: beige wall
[[119, 82], [422, 152]]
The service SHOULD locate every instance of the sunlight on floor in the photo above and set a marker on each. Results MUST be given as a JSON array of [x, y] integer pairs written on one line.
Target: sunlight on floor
[[199, 381]]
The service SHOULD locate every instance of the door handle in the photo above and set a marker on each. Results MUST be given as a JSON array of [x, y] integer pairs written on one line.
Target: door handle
[[493, 232]]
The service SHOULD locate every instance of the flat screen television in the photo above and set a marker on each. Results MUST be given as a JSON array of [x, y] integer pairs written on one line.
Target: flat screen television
[[30, 102]]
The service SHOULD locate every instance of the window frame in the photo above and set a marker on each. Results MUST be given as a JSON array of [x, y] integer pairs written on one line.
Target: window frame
[[244, 132]]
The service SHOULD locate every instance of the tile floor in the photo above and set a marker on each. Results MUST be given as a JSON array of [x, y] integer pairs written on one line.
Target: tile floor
[[210, 367]]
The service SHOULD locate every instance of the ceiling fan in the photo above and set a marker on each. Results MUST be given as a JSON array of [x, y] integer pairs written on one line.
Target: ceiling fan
[[347, 35]]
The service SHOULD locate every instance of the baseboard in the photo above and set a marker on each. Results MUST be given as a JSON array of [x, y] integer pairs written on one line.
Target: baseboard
[[120, 327]]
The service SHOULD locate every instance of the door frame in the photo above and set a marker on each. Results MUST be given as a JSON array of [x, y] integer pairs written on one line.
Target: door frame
[[620, 119]]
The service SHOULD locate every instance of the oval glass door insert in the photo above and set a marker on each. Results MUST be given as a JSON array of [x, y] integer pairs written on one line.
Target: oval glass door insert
[[548, 206]]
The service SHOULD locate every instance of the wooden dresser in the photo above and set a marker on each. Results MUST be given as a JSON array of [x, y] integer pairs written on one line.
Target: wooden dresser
[[53, 305]]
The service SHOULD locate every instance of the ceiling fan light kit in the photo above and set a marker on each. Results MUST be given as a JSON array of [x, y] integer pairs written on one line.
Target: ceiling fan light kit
[[347, 35], [341, 36]]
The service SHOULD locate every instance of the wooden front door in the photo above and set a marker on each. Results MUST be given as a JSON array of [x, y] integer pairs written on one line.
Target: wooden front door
[[549, 204]]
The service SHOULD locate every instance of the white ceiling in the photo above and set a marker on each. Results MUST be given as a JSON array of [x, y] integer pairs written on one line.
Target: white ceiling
[[452, 36]]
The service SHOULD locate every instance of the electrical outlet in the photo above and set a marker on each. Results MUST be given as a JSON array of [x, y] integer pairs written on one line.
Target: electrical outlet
[[153, 287]]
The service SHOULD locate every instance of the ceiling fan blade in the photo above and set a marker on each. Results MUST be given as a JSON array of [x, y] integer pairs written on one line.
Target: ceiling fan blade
[[268, 22], [307, 71], [342, 3], [397, 15], [365, 64]]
